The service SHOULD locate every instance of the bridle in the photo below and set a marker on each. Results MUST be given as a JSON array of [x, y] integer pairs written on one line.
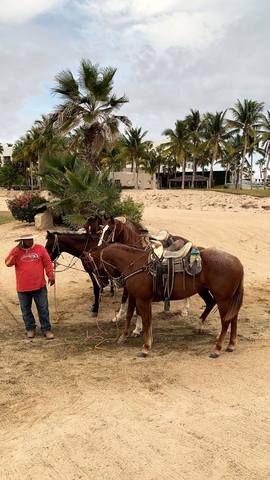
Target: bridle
[[71, 264], [119, 281]]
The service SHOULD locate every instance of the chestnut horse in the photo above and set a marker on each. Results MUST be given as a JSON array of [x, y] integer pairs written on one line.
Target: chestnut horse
[[222, 274], [133, 234]]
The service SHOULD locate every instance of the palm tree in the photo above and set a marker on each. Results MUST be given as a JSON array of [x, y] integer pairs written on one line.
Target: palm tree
[[178, 145], [133, 149], [112, 160], [246, 117], [152, 162], [265, 136], [194, 125], [89, 104], [216, 133]]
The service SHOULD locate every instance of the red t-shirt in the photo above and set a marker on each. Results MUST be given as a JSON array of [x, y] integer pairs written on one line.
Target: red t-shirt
[[29, 267]]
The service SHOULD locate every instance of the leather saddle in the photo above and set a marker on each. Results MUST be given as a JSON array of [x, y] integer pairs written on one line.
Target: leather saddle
[[177, 258]]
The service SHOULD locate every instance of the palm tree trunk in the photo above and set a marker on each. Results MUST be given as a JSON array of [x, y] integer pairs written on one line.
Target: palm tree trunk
[[31, 175], [39, 165], [194, 171], [183, 173], [251, 173], [137, 175], [242, 164], [226, 174], [212, 169]]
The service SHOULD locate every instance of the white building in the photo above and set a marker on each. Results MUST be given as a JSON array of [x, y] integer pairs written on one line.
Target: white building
[[6, 156]]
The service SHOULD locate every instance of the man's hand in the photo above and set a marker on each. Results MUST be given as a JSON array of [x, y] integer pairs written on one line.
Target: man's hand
[[51, 282]]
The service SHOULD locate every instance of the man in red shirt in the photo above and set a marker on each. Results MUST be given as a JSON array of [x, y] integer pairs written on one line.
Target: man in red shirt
[[30, 260]]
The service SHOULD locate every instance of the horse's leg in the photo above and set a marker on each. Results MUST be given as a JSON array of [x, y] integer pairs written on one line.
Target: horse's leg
[[130, 311], [223, 308], [185, 309], [139, 326], [145, 311], [95, 306], [233, 335], [111, 288], [210, 303], [122, 310]]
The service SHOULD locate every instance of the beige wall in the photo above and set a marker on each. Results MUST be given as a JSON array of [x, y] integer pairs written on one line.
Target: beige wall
[[127, 179]]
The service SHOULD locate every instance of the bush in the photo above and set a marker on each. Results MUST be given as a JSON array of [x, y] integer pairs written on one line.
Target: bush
[[24, 207], [10, 176], [129, 209]]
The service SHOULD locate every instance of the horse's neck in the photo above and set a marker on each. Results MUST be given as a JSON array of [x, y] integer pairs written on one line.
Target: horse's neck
[[122, 258], [73, 246]]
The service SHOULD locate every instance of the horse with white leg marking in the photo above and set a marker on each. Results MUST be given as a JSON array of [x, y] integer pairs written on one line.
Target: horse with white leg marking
[[222, 275]]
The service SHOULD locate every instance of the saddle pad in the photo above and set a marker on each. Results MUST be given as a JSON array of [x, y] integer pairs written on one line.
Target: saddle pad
[[161, 236], [183, 252]]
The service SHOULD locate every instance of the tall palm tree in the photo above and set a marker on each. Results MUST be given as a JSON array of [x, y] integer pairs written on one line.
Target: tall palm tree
[[112, 160], [216, 133], [178, 145], [89, 104], [133, 149], [246, 117], [152, 162], [265, 136], [195, 126]]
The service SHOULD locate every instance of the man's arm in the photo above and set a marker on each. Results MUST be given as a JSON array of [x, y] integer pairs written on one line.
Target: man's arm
[[10, 260], [48, 265]]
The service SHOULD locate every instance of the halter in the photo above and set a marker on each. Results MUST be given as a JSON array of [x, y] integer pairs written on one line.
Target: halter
[[122, 279]]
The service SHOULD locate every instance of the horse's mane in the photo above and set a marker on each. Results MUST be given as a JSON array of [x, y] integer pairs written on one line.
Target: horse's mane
[[130, 236], [137, 225], [73, 235], [127, 248]]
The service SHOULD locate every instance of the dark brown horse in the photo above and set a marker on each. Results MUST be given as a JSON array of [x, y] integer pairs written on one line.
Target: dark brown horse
[[222, 275], [76, 244]]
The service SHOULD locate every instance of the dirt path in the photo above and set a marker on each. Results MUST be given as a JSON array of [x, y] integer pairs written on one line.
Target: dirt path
[[72, 411]]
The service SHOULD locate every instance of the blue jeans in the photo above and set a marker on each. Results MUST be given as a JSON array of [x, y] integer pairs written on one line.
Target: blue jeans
[[41, 300]]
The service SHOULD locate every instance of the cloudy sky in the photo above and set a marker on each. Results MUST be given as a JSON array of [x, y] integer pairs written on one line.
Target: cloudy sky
[[171, 55]]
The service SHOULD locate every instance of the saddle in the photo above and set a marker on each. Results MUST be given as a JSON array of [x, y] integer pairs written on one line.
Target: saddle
[[167, 262]]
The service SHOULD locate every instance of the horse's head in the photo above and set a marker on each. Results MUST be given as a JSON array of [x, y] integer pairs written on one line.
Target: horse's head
[[112, 231], [52, 245], [94, 224]]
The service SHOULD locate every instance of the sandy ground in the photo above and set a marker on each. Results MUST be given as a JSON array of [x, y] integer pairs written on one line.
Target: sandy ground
[[75, 408]]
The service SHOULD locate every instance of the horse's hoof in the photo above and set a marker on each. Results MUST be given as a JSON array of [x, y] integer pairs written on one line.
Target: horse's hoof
[[214, 355], [135, 334], [142, 355], [94, 314], [230, 349], [121, 340]]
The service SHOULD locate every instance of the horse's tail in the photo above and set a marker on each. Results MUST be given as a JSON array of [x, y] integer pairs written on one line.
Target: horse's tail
[[236, 301]]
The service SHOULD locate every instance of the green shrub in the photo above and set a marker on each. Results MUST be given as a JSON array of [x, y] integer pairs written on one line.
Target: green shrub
[[24, 207], [10, 176], [127, 208]]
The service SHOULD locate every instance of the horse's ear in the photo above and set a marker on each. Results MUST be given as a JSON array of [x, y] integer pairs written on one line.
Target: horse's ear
[[48, 234]]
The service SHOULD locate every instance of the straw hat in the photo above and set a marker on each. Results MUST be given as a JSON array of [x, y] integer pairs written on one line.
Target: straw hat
[[25, 237]]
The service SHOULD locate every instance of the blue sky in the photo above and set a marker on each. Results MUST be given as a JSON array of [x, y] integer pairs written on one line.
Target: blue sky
[[171, 55]]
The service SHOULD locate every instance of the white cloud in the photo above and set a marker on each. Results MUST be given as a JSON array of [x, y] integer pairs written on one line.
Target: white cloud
[[18, 11], [182, 29]]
